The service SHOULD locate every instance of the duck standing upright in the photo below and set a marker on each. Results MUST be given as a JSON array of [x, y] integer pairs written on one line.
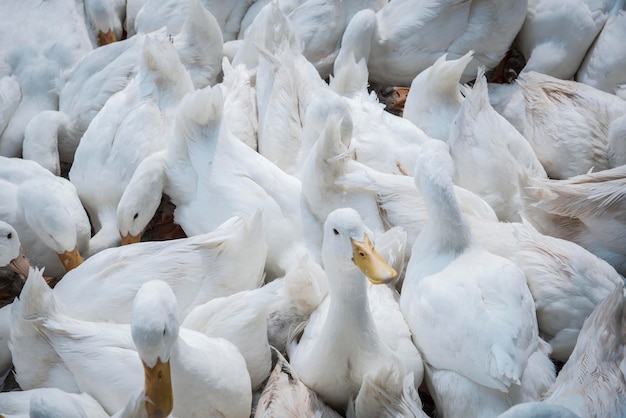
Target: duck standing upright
[[341, 343], [451, 281]]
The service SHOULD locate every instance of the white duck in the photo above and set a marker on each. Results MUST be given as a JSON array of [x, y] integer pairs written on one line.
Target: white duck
[[491, 308], [12, 257], [132, 125], [46, 213], [208, 375], [33, 55], [54, 135], [341, 343], [572, 127], [408, 36], [204, 162], [591, 382], [326, 161], [586, 209], [197, 269], [11, 251], [489, 154], [603, 65], [566, 280], [557, 34], [435, 97]]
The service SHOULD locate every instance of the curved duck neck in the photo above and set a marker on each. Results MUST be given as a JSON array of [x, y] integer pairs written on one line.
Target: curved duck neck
[[452, 232]]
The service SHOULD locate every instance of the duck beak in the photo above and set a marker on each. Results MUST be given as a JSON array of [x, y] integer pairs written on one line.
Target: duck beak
[[159, 396], [20, 265], [106, 38], [373, 266], [71, 259], [130, 239]]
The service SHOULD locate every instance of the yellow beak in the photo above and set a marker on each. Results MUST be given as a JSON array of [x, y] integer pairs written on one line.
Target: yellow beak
[[159, 396], [20, 265], [373, 266], [106, 38], [130, 239], [71, 259]]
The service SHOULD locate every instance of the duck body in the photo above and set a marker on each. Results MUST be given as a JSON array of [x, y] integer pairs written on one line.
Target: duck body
[[198, 269], [93, 353], [132, 125], [602, 65], [480, 137], [205, 162], [590, 382], [569, 125], [559, 53], [101, 72], [586, 209], [402, 45], [443, 280], [566, 280], [63, 227], [340, 343]]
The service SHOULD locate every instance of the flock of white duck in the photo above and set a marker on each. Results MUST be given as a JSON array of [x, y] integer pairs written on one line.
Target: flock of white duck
[[490, 219]]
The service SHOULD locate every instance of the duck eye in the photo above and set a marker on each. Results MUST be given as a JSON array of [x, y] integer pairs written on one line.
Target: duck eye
[[361, 253], [335, 231], [10, 235], [136, 215]]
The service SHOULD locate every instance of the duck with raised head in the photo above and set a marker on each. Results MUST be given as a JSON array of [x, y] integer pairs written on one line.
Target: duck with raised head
[[341, 343], [208, 376], [452, 281]]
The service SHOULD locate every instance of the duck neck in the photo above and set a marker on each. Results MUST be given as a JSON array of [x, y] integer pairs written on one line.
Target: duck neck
[[108, 236], [447, 227], [349, 307]]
